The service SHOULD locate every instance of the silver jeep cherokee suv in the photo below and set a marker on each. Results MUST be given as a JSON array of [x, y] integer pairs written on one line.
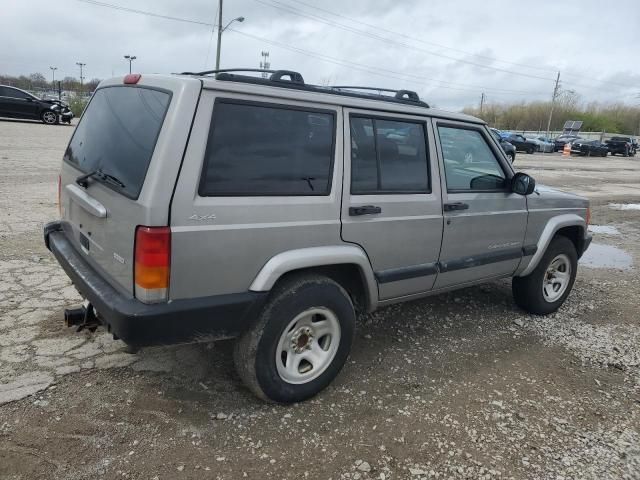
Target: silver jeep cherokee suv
[[215, 205]]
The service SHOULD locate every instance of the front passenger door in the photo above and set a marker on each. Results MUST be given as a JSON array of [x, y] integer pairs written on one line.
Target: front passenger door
[[484, 222]]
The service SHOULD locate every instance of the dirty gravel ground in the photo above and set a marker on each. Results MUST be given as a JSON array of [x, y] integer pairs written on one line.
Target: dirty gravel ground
[[462, 385]]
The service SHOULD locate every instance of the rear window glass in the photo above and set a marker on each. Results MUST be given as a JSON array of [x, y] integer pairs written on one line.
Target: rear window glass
[[259, 149], [117, 135]]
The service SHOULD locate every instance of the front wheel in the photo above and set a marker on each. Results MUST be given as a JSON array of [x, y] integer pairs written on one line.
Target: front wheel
[[511, 156], [49, 117], [530, 150], [300, 342], [545, 289]]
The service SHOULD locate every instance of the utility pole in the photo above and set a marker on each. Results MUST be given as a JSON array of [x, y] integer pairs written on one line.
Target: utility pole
[[219, 35], [553, 101], [264, 64], [81, 65], [481, 103]]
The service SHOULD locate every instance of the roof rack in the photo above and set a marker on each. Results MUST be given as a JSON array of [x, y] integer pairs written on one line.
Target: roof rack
[[292, 79], [398, 94]]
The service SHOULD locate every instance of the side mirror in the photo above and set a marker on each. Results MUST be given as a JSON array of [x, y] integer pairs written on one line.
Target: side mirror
[[522, 184]]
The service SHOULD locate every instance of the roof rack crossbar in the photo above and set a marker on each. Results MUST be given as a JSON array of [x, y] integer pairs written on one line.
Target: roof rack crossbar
[[399, 94], [276, 75], [229, 70], [292, 79]]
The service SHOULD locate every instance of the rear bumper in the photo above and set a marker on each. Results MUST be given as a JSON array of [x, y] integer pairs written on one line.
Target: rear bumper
[[139, 324], [585, 244]]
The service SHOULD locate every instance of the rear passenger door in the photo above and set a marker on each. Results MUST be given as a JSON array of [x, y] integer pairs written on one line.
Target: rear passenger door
[[391, 207], [484, 223]]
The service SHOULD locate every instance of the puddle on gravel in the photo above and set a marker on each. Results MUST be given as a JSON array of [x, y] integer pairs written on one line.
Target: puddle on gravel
[[604, 229], [606, 256], [625, 206]]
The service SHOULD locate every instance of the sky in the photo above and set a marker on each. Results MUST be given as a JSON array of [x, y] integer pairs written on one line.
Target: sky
[[449, 51]]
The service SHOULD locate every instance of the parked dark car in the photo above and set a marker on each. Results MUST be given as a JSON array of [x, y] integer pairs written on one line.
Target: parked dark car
[[589, 148], [16, 103], [508, 148], [521, 143], [560, 141], [623, 145]]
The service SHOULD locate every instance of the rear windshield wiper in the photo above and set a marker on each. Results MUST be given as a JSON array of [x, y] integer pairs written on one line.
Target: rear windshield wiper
[[105, 177]]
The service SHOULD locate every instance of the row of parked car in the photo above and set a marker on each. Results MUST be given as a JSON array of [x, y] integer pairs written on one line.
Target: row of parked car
[[626, 146], [514, 142]]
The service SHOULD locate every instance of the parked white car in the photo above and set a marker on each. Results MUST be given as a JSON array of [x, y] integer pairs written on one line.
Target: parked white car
[[543, 144]]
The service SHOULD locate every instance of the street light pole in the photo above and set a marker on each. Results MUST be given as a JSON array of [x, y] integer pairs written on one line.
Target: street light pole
[[131, 58], [53, 75], [221, 29], [81, 65]]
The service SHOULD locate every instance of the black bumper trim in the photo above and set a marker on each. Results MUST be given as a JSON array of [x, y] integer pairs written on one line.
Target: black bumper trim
[[139, 324]]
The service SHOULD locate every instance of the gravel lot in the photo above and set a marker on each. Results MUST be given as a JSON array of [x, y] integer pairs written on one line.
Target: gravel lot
[[461, 385]]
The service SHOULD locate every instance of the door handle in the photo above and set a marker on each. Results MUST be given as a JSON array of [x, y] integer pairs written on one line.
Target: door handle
[[86, 201], [364, 210], [450, 207]]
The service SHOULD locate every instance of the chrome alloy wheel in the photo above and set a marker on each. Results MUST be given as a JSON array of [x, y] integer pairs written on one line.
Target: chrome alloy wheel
[[49, 117], [556, 278], [308, 345]]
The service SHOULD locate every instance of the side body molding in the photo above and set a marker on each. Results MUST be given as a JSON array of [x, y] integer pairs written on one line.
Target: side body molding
[[317, 257], [553, 225]]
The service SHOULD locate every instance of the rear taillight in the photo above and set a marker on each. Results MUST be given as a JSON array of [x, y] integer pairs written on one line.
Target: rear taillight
[[152, 263], [588, 219], [60, 195]]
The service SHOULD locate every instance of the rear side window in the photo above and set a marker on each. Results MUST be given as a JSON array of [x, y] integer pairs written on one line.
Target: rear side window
[[263, 149], [388, 156], [12, 93], [117, 135]]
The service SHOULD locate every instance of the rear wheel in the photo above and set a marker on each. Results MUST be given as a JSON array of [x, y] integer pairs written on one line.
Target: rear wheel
[[545, 289], [300, 342], [511, 156], [49, 117], [530, 150]]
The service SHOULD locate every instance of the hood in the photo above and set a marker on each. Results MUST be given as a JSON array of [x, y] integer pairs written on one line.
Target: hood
[[53, 102], [547, 197]]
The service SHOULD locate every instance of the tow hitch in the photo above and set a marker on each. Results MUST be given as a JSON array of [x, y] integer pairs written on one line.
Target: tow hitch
[[83, 317]]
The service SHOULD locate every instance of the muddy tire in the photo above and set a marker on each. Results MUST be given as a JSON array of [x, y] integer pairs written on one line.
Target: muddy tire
[[300, 342], [545, 289]]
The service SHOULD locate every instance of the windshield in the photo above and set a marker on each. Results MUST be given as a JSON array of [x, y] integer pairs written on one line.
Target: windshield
[[117, 135]]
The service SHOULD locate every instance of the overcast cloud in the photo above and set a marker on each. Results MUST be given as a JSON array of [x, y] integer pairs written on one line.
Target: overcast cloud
[[594, 44]]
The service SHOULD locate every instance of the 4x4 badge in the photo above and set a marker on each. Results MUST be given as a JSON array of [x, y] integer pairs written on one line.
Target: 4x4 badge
[[200, 218]]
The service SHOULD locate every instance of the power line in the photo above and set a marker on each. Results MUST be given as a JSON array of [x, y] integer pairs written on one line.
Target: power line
[[368, 68], [290, 9], [145, 12], [392, 32], [281, 6], [345, 63], [382, 72]]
